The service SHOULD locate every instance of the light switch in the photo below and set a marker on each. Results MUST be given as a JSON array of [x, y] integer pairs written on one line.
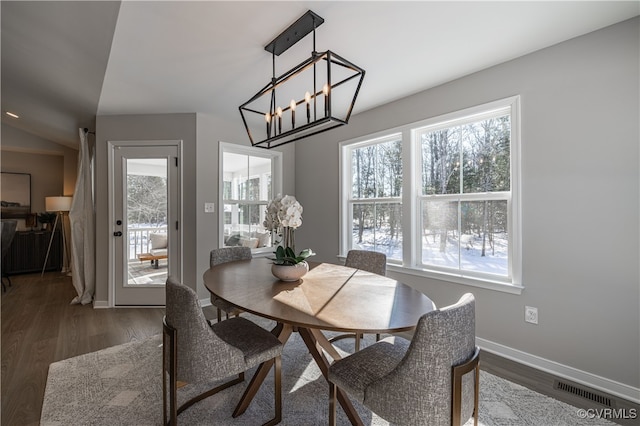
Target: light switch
[[209, 207]]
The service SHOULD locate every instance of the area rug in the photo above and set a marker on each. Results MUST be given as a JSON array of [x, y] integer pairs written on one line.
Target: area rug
[[122, 385]]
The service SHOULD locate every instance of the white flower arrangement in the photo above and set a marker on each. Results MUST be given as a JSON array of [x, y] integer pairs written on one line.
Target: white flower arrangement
[[283, 212], [283, 216]]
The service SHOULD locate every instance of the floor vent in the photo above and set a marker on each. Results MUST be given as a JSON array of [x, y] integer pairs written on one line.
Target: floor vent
[[584, 393]]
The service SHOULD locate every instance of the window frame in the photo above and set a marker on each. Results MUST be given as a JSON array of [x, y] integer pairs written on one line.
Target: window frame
[[346, 188], [412, 196], [276, 182]]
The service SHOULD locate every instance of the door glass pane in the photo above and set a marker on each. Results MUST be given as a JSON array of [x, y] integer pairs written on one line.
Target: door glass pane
[[146, 215]]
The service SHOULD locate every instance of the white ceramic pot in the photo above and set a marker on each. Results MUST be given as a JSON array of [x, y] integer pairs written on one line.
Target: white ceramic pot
[[290, 272]]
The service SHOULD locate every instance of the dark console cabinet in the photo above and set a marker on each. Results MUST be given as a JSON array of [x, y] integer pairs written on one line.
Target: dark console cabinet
[[29, 249]]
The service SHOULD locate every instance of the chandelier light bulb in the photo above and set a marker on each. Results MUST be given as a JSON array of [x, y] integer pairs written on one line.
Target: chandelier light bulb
[[267, 118], [292, 105], [279, 114], [325, 90]]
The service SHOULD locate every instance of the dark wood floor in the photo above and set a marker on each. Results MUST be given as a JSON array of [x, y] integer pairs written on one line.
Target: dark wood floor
[[39, 327]]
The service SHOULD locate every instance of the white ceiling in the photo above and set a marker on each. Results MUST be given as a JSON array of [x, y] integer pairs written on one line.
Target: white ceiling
[[65, 62]]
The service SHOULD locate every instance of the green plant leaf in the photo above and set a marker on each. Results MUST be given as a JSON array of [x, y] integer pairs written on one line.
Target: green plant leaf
[[286, 256]]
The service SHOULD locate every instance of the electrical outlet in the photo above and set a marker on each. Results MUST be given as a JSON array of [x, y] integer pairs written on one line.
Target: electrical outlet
[[531, 314], [209, 207]]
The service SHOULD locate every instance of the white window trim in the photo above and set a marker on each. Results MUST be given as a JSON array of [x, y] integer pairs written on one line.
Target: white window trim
[[276, 182], [411, 198]]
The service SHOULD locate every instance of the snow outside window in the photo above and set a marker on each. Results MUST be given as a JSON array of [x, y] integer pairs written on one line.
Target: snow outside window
[[440, 197]]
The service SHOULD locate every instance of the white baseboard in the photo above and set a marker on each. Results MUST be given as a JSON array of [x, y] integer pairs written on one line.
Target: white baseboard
[[100, 304], [592, 380]]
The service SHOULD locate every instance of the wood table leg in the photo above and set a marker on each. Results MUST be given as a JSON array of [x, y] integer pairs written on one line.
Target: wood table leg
[[283, 333], [315, 349], [325, 344]]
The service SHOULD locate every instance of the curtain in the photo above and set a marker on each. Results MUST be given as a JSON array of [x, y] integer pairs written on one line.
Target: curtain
[[82, 222]]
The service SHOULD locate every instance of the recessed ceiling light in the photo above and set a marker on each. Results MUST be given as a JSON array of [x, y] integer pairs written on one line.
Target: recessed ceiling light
[[10, 114]]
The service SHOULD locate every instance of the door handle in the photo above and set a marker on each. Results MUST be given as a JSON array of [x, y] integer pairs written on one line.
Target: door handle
[[117, 234]]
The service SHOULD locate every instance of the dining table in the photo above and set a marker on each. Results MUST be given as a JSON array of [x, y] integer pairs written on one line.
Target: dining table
[[329, 297]]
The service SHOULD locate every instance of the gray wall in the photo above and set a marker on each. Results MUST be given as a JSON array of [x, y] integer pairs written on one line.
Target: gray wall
[[145, 127], [212, 130], [580, 197], [14, 139], [200, 134]]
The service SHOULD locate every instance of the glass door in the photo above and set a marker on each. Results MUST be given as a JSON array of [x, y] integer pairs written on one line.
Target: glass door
[[145, 222]]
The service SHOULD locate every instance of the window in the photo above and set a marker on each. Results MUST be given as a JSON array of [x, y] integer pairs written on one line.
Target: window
[[375, 196], [455, 190], [250, 177]]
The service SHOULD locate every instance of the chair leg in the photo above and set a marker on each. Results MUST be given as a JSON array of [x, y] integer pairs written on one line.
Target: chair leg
[[332, 404], [171, 366], [476, 394], [357, 344], [219, 315], [458, 371], [5, 276], [170, 349], [277, 391]]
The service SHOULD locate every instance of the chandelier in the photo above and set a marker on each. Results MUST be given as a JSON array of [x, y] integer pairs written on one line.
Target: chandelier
[[315, 96]]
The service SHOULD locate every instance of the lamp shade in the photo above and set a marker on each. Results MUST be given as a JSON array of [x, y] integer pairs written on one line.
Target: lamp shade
[[58, 204]]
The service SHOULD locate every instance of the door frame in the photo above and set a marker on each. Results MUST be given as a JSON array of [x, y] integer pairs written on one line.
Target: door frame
[[111, 145]]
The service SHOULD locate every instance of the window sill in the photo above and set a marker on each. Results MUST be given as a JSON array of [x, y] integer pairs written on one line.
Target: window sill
[[472, 282]]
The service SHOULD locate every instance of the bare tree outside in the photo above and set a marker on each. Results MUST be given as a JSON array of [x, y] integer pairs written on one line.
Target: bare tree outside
[[376, 190], [461, 164], [147, 200]]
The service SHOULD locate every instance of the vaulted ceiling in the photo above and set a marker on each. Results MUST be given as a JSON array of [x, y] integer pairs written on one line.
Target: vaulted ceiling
[[63, 63]]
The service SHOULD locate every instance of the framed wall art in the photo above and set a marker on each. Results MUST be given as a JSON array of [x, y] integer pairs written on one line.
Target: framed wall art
[[16, 195]]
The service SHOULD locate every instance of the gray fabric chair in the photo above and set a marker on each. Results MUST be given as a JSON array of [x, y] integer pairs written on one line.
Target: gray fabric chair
[[224, 255], [421, 382], [370, 261], [195, 352], [8, 232]]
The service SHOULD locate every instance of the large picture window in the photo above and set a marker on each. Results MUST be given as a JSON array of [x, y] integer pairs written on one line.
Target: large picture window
[[250, 177], [459, 206]]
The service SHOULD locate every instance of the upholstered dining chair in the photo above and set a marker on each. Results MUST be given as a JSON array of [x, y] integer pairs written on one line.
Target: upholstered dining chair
[[8, 231], [370, 261], [195, 352], [224, 255], [419, 382]]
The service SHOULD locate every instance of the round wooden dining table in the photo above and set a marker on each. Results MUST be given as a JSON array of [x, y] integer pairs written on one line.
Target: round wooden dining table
[[328, 298]]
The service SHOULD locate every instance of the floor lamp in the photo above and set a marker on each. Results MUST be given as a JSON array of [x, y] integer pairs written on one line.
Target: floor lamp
[[58, 205]]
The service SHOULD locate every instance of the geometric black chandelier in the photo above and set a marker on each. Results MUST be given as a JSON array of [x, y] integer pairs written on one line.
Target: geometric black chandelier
[[315, 96]]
